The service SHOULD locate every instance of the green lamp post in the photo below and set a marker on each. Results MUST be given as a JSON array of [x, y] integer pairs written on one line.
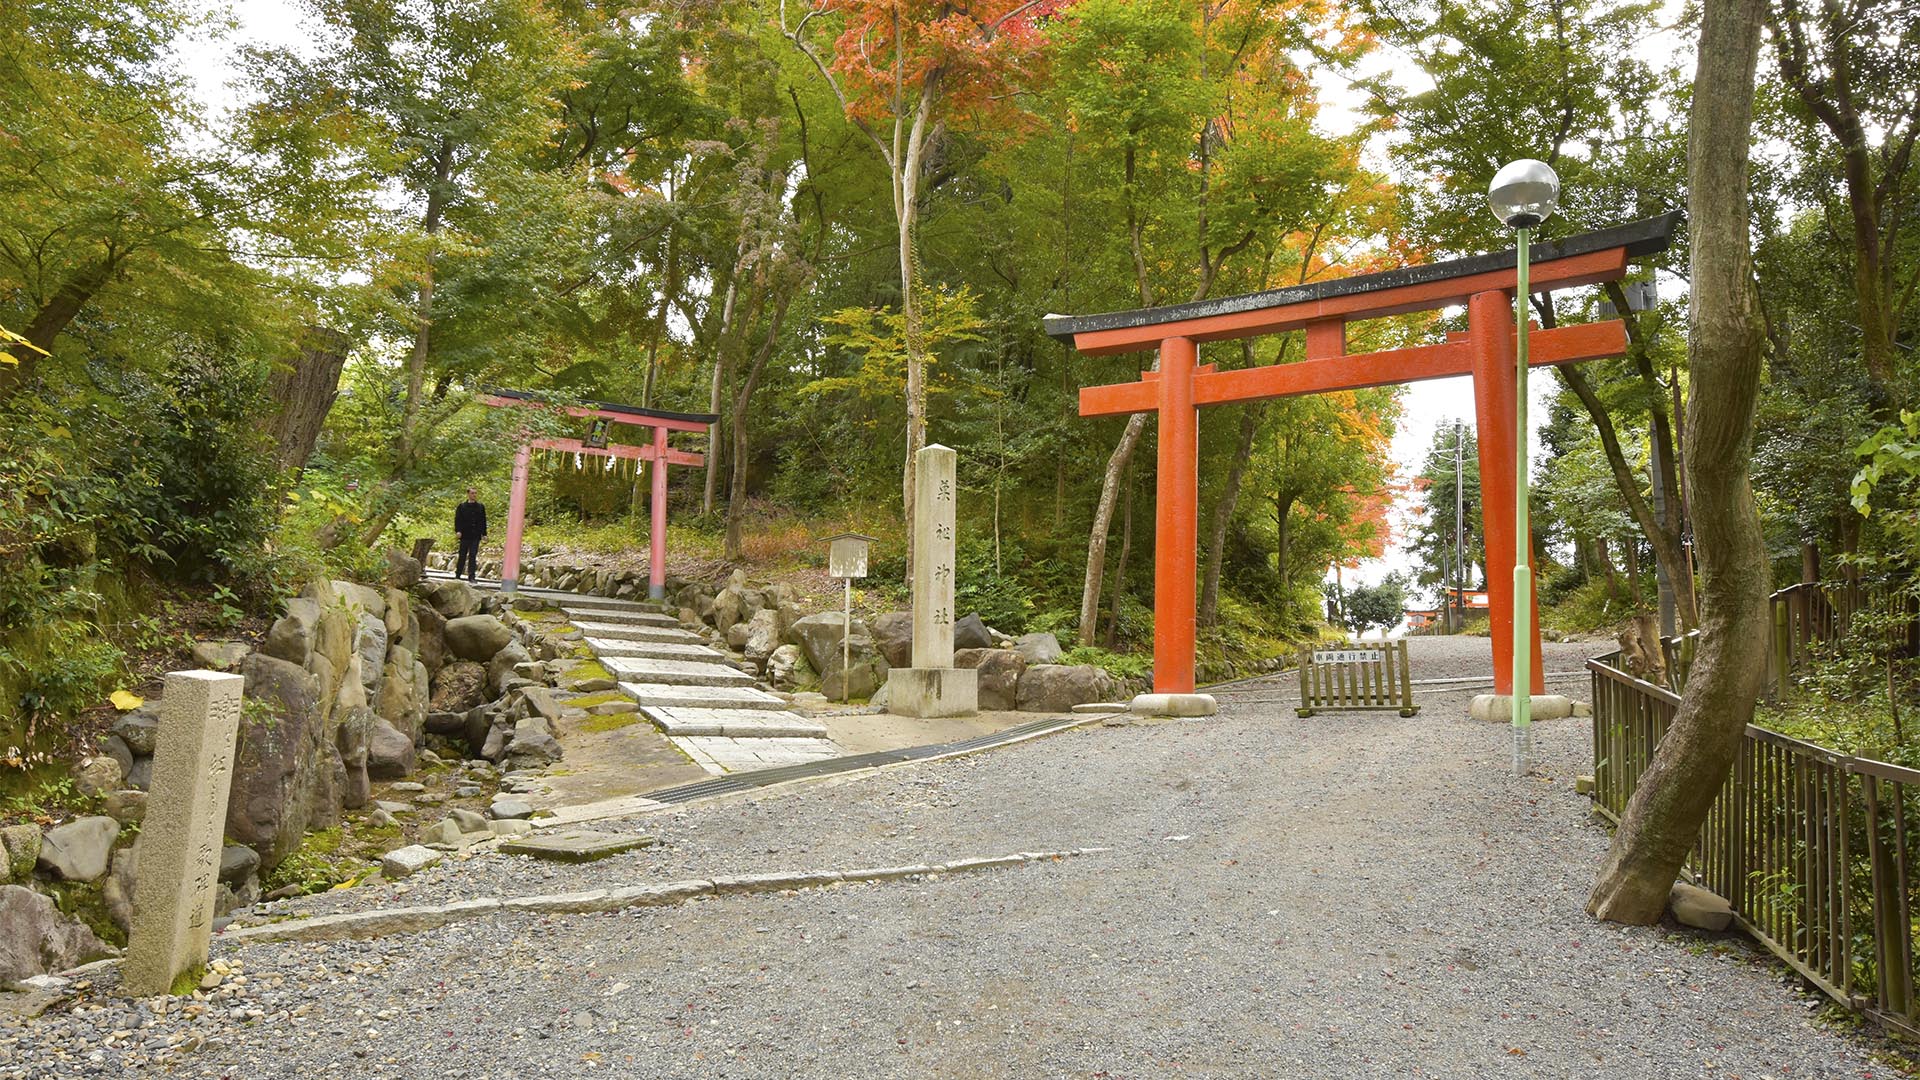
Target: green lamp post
[[1523, 194]]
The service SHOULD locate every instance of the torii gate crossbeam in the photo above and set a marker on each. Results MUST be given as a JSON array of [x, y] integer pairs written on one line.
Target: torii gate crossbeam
[[1484, 284]]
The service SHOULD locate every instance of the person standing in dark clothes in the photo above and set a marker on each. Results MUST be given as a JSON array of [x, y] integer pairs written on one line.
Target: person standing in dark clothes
[[470, 522]]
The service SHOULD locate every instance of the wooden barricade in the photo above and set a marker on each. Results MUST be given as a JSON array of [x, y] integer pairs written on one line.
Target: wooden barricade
[[1354, 676]]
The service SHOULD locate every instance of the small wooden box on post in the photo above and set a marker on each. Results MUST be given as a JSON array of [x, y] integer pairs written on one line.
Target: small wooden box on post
[[847, 560], [1356, 676]]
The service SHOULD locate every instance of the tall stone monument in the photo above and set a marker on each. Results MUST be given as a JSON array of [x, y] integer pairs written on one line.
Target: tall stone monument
[[182, 836], [933, 686]]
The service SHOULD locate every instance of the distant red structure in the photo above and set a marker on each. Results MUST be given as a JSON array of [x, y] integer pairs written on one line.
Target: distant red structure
[[1484, 284], [598, 444]]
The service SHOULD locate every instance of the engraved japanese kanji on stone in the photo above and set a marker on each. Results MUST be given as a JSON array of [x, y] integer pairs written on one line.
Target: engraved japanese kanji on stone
[[181, 838]]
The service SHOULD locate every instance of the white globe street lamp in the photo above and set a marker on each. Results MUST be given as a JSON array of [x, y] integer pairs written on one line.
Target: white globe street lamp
[[1523, 194]]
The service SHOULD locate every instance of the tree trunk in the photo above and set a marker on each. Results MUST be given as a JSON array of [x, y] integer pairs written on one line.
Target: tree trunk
[[52, 319], [737, 489], [304, 390], [1282, 539], [1223, 511], [1120, 564], [1103, 519], [906, 195], [1725, 347], [1664, 538]]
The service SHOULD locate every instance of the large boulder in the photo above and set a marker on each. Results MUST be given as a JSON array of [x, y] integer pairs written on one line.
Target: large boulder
[[477, 637], [100, 773], [787, 668], [893, 634], [116, 892], [1696, 907], [403, 628], [532, 744], [460, 686], [971, 633], [403, 696], [819, 637], [999, 679], [80, 849], [369, 600], [762, 637], [353, 740], [728, 608], [333, 640], [370, 643], [19, 851], [432, 647], [35, 938], [403, 570], [292, 636], [500, 668], [865, 672], [219, 655], [1041, 648], [283, 762], [139, 730], [390, 753], [453, 599], [1057, 688]]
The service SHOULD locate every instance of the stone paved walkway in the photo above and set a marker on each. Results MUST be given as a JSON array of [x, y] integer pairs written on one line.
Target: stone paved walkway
[[1353, 896]]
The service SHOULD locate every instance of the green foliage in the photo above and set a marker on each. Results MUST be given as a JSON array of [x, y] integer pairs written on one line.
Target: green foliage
[[1382, 605], [1890, 479], [1002, 599], [320, 862], [1125, 666]]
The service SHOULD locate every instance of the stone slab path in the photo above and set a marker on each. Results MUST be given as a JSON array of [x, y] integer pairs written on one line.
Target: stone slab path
[[1352, 896], [711, 711]]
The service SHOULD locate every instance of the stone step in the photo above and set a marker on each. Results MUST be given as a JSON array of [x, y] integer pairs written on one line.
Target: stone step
[[674, 672], [623, 617], [596, 603], [631, 632], [654, 650], [735, 723], [720, 754], [704, 697]]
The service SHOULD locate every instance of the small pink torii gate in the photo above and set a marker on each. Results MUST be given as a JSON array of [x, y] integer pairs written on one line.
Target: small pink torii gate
[[656, 450]]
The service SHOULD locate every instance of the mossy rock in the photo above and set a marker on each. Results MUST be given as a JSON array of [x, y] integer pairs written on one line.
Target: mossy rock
[[611, 721], [85, 902]]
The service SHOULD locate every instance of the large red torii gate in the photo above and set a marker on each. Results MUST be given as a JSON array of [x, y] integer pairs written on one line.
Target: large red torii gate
[[656, 450], [1484, 283]]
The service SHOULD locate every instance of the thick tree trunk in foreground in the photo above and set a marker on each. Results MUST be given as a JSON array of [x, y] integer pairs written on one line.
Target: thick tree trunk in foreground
[[305, 390], [1725, 346]]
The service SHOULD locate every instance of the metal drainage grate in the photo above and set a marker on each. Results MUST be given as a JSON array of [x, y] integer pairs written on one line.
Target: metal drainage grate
[[747, 781]]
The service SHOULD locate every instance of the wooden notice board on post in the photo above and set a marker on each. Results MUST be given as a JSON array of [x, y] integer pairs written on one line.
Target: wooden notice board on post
[[1354, 676]]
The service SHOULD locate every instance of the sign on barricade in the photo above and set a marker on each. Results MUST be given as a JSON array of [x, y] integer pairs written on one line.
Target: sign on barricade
[[1354, 676]]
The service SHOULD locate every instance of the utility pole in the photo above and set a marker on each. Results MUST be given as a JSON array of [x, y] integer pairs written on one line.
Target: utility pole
[[1459, 533]]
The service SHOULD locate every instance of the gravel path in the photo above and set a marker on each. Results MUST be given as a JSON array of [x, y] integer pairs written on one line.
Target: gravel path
[[1343, 896]]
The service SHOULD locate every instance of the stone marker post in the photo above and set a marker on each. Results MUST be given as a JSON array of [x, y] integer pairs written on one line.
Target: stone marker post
[[933, 686], [181, 839]]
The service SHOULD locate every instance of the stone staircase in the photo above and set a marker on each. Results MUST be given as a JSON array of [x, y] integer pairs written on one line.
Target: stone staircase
[[712, 711]]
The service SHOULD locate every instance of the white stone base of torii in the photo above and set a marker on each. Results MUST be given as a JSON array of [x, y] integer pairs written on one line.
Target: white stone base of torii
[[933, 687]]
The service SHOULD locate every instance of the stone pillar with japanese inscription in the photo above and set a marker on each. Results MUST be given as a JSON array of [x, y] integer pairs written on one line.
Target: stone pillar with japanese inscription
[[181, 838], [933, 686]]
